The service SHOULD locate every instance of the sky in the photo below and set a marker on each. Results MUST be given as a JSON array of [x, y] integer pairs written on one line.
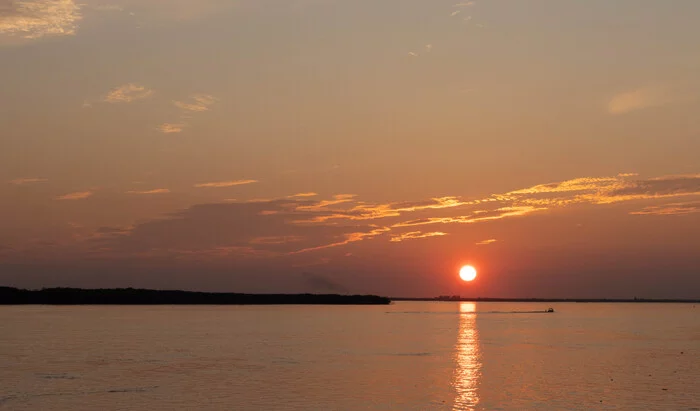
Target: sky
[[352, 146]]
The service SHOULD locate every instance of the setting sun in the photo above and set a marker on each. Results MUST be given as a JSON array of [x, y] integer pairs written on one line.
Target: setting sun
[[467, 273]]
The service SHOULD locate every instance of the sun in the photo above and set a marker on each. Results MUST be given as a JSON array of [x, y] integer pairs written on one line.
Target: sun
[[467, 273]]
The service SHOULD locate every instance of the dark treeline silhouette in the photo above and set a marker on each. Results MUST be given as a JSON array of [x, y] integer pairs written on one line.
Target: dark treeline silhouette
[[132, 296]]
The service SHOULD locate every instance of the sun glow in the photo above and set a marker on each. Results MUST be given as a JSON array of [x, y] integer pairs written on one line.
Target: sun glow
[[467, 273]]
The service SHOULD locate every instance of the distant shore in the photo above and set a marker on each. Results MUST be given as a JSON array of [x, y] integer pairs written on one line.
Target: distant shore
[[135, 296], [551, 300], [132, 296]]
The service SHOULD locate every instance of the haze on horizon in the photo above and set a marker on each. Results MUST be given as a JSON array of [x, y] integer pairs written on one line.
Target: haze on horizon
[[352, 146]]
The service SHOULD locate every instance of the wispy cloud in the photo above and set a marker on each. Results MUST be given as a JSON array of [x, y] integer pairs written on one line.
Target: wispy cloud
[[516, 203], [294, 226], [273, 240], [465, 4], [454, 13], [28, 180], [200, 102], [310, 194], [413, 54], [670, 209], [428, 47], [78, 195], [605, 190], [33, 19], [476, 217], [364, 211], [348, 238], [220, 184], [639, 99], [337, 199], [168, 128], [153, 191], [414, 235], [127, 93]]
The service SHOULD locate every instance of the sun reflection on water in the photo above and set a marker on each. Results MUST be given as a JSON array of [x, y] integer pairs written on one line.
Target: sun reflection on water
[[467, 360]]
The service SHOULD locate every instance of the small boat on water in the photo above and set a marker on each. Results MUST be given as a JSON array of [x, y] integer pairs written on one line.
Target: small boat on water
[[550, 310]]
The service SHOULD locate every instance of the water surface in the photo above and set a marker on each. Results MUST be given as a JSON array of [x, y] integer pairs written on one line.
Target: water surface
[[406, 356]]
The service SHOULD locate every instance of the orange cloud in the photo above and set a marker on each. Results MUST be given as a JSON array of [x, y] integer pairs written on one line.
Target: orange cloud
[[154, 191], [605, 190], [221, 184], [127, 93], [577, 184], [670, 209], [276, 239], [337, 199], [375, 211], [168, 128], [497, 214], [202, 102], [28, 180], [638, 99], [311, 194], [33, 19], [79, 195], [349, 238], [296, 225], [413, 235]]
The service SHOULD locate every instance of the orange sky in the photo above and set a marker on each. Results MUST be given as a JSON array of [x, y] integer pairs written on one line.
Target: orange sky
[[352, 146]]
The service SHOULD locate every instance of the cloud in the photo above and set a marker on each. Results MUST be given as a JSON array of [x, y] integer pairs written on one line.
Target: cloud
[[238, 229], [347, 239], [454, 13], [413, 235], [310, 194], [476, 217], [638, 99], [293, 227], [670, 209], [201, 102], [168, 128], [606, 190], [276, 239], [428, 47], [33, 19], [127, 93], [576, 184], [28, 180], [465, 4], [79, 195], [220, 184], [659, 187], [413, 54], [337, 199], [487, 242], [154, 191], [365, 211]]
